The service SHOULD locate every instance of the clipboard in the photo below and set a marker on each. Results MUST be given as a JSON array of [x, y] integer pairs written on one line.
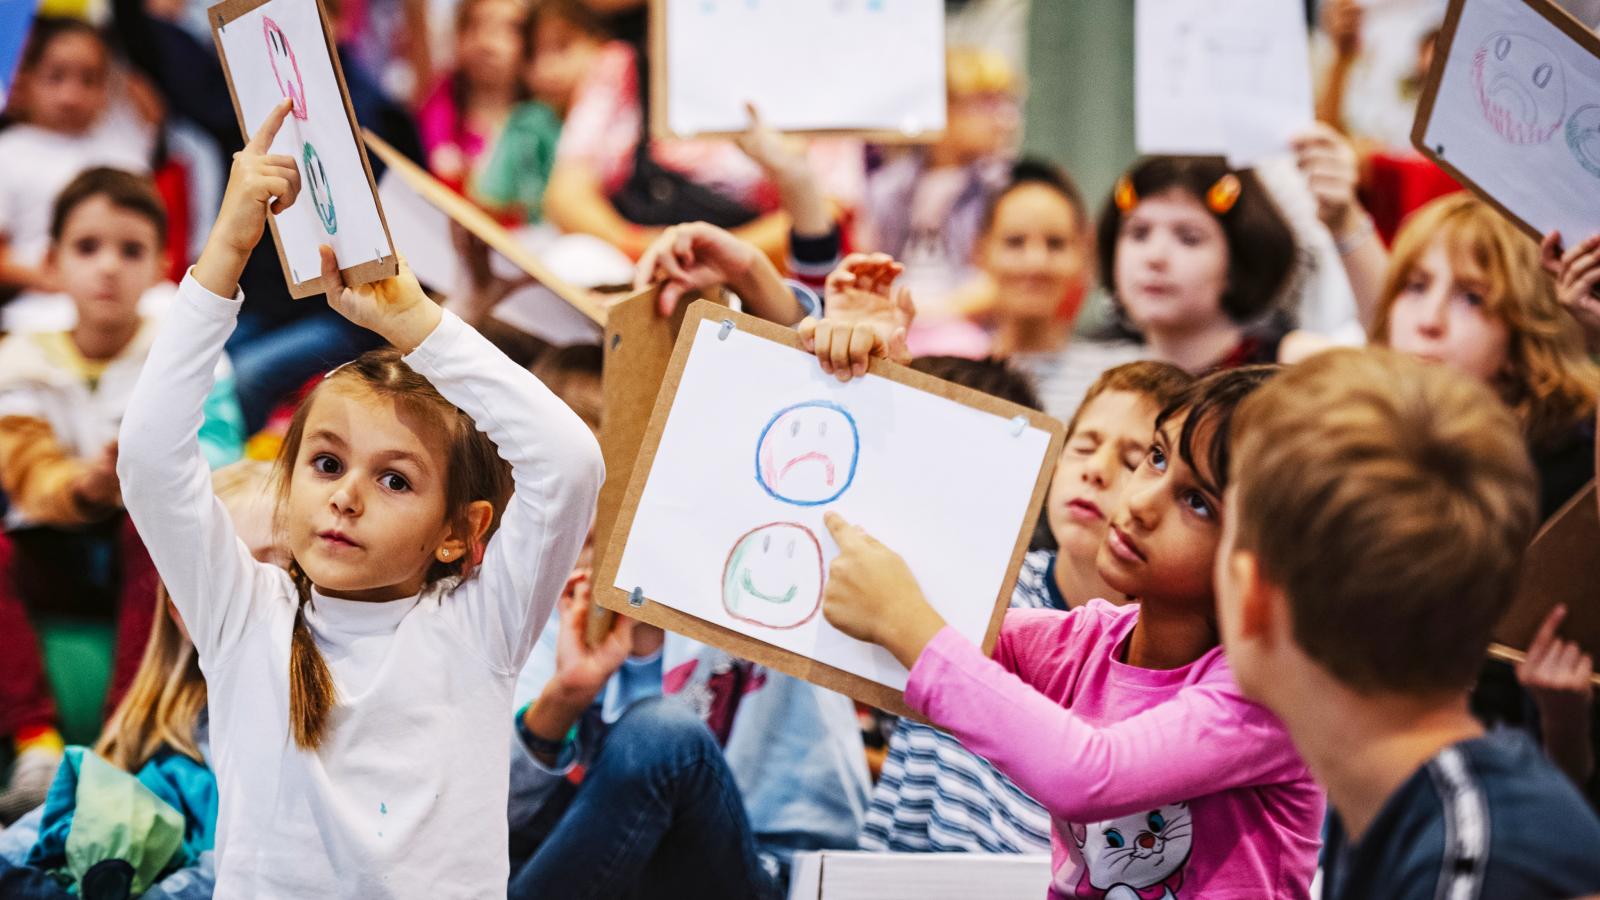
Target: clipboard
[[385, 265], [1562, 565], [1555, 16], [639, 605]]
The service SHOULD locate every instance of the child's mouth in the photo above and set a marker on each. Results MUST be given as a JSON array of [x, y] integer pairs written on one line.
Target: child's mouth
[[1122, 547], [337, 538], [1085, 510]]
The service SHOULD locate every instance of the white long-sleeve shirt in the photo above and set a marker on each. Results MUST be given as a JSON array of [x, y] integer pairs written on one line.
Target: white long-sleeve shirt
[[407, 795]]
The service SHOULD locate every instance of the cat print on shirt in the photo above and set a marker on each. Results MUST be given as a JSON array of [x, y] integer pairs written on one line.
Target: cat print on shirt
[[1139, 856]]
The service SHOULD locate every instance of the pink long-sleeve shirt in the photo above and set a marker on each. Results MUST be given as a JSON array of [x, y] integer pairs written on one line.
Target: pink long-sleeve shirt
[[1159, 783]]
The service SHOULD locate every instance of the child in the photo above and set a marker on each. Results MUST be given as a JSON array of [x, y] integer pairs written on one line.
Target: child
[[934, 794], [1379, 510], [62, 395], [65, 123], [924, 207], [1196, 257], [463, 116], [1465, 288], [561, 39], [359, 718], [1124, 722]]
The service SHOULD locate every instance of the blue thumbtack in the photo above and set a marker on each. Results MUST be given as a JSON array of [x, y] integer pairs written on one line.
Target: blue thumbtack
[[1017, 425], [636, 597], [725, 330]]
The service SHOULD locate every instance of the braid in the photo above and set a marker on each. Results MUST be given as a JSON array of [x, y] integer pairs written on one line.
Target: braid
[[311, 691]]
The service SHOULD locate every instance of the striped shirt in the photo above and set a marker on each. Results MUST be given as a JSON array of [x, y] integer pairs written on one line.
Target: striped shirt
[[1063, 377], [936, 796]]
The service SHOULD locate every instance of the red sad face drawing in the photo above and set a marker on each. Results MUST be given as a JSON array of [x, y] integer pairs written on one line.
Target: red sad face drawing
[[773, 576], [284, 67], [1521, 87], [807, 453]]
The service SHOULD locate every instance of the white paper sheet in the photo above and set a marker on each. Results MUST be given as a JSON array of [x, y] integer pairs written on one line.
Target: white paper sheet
[[806, 64], [1225, 77], [1518, 112], [278, 50], [760, 443]]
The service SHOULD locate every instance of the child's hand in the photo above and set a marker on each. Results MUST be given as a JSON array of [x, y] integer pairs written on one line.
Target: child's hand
[[782, 157], [1556, 672], [581, 670], [395, 308], [693, 257], [97, 486], [1328, 162], [872, 596], [862, 317], [1577, 273], [1341, 19], [259, 182], [485, 289]]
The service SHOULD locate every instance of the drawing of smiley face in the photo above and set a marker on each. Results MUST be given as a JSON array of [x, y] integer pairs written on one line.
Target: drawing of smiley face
[[284, 67], [321, 197], [773, 576], [1521, 86], [807, 453], [1583, 138]]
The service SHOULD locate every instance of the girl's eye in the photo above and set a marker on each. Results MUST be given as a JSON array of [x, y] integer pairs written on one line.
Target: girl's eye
[[86, 246], [1138, 231], [1015, 241], [1198, 504], [133, 251], [394, 482], [1472, 299], [1189, 237], [1055, 244], [1156, 457], [325, 464], [1415, 286]]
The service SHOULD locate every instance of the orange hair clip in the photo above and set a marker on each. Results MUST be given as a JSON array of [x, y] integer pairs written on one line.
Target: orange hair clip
[[1124, 195], [1224, 194]]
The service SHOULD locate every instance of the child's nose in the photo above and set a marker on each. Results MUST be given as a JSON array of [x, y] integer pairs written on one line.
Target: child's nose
[[345, 499]]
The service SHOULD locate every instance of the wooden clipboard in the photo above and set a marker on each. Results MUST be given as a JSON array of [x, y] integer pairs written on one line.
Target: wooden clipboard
[[1562, 565], [483, 227], [850, 684], [638, 345], [660, 122], [1553, 14], [362, 273]]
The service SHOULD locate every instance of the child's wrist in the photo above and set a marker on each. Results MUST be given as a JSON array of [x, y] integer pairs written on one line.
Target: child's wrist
[[408, 329], [219, 267]]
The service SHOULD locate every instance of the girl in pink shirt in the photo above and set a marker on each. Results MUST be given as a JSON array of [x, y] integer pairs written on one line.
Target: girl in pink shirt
[[1161, 780]]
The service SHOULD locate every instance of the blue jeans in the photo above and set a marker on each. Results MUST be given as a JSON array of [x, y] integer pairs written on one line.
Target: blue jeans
[[658, 815], [272, 359]]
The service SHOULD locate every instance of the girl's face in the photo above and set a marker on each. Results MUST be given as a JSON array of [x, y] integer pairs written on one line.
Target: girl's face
[[1439, 315], [489, 44], [1106, 447], [980, 125], [562, 55], [66, 91], [1163, 537], [1171, 263], [1033, 251], [366, 506]]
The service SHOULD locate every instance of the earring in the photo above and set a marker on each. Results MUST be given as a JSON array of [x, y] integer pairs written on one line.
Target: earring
[[445, 553]]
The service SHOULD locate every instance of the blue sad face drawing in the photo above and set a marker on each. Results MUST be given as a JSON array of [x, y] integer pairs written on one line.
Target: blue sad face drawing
[[807, 453], [1521, 87], [316, 178], [773, 576], [1583, 138]]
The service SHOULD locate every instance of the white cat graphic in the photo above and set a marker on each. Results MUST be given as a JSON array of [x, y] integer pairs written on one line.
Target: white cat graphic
[[1137, 857]]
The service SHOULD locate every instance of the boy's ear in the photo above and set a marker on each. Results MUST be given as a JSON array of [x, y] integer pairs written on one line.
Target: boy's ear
[[1260, 601], [480, 513]]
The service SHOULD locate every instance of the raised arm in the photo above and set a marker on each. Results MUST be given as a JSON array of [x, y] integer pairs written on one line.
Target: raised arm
[[166, 484]]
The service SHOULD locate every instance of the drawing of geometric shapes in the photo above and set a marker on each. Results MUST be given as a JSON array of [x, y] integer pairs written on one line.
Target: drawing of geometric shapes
[[773, 576], [321, 196], [285, 68], [1522, 87], [807, 453], [1583, 138]]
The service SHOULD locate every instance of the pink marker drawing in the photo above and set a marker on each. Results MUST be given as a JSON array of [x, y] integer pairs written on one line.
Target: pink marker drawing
[[281, 55]]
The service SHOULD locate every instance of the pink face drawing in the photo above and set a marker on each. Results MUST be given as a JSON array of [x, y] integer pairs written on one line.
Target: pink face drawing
[[284, 67], [807, 453], [1521, 87], [773, 576]]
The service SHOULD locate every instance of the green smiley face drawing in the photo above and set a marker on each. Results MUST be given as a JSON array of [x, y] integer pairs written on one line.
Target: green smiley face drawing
[[321, 196], [773, 576]]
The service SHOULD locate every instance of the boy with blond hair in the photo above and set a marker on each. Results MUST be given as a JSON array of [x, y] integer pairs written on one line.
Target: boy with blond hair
[[1379, 510]]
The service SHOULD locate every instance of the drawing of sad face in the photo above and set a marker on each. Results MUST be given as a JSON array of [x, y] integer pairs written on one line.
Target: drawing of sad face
[[321, 197], [773, 576], [807, 453], [284, 67], [1521, 87]]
